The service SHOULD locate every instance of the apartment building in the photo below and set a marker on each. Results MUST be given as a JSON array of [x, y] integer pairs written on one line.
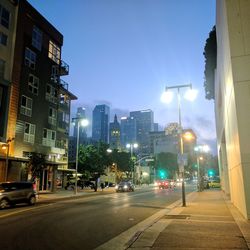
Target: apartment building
[[8, 15], [39, 107]]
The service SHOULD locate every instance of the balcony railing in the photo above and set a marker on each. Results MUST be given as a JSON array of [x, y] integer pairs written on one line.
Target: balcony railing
[[63, 83], [64, 68]]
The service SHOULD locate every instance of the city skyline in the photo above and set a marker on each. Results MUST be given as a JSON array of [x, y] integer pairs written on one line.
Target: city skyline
[[127, 52]]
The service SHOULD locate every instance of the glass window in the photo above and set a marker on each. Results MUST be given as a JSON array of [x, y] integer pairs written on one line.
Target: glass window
[[26, 106], [51, 94], [33, 84], [49, 137], [29, 132], [3, 38], [52, 116], [4, 17], [37, 37], [54, 52], [2, 68], [30, 58]]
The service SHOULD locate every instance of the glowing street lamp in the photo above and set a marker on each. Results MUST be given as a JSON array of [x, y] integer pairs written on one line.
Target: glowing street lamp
[[84, 123], [131, 146], [167, 97], [6, 146]]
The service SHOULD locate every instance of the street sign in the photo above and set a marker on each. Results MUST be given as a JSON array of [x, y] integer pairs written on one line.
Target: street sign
[[149, 160], [182, 159]]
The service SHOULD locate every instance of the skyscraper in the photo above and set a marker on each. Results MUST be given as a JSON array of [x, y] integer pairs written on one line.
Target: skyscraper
[[144, 125], [82, 130], [100, 123], [128, 131], [115, 134]]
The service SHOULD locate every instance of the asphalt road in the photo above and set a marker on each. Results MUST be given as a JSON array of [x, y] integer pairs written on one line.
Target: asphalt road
[[81, 223]]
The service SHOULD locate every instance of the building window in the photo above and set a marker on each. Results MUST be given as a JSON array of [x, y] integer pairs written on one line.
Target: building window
[[30, 58], [4, 17], [3, 39], [26, 106], [33, 84], [54, 52], [49, 137], [52, 116], [37, 37], [2, 68], [51, 94], [29, 132], [54, 73]]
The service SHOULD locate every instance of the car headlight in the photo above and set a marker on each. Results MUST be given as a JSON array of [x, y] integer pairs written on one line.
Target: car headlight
[[125, 186]]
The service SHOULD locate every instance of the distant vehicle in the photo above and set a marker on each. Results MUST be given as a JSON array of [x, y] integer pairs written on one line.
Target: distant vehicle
[[164, 184], [125, 186], [12, 193], [214, 183]]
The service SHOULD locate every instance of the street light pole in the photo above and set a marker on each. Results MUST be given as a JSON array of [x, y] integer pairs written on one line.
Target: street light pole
[[181, 163], [7, 147], [84, 123], [181, 167], [131, 146], [199, 174], [77, 149]]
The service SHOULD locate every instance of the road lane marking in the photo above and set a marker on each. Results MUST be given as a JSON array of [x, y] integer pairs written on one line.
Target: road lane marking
[[23, 210]]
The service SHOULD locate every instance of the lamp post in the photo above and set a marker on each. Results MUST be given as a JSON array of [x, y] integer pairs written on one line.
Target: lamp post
[[167, 97], [6, 146], [131, 147], [84, 123], [200, 149], [199, 158]]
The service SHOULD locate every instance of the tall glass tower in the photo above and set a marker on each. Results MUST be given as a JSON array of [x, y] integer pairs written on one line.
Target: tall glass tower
[[100, 123], [144, 124]]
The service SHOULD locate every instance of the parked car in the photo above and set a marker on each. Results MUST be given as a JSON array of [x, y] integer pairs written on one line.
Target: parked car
[[214, 183], [12, 193], [125, 186]]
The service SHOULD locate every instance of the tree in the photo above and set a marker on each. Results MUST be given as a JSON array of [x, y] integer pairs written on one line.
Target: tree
[[94, 159], [122, 160], [36, 164], [167, 164], [210, 54]]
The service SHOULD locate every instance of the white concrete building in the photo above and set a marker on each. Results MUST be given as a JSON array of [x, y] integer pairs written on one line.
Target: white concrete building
[[232, 100]]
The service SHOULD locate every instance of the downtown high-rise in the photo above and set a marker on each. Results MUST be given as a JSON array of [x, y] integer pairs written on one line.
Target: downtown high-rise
[[100, 123], [144, 125]]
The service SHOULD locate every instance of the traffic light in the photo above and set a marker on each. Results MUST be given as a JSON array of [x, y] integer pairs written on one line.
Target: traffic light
[[211, 173], [162, 174]]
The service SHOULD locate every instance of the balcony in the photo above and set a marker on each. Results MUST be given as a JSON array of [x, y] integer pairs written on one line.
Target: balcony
[[63, 84], [64, 68]]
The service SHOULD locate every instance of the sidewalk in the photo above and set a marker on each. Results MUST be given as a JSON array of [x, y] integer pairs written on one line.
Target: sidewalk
[[207, 222]]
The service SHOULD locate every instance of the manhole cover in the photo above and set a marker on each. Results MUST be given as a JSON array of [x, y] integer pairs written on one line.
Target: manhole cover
[[176, 216]]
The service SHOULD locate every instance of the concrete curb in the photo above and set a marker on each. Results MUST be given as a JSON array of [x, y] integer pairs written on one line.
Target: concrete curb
[[144, 233], [147, 239]]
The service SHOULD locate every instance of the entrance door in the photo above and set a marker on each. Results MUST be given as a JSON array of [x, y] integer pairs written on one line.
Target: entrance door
[[43, 182]]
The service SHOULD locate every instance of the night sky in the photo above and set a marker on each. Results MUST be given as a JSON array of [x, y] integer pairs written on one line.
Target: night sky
[[124, 52]]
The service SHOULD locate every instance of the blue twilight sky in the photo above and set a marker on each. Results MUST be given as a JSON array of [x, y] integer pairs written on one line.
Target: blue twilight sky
[[124, 52]]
